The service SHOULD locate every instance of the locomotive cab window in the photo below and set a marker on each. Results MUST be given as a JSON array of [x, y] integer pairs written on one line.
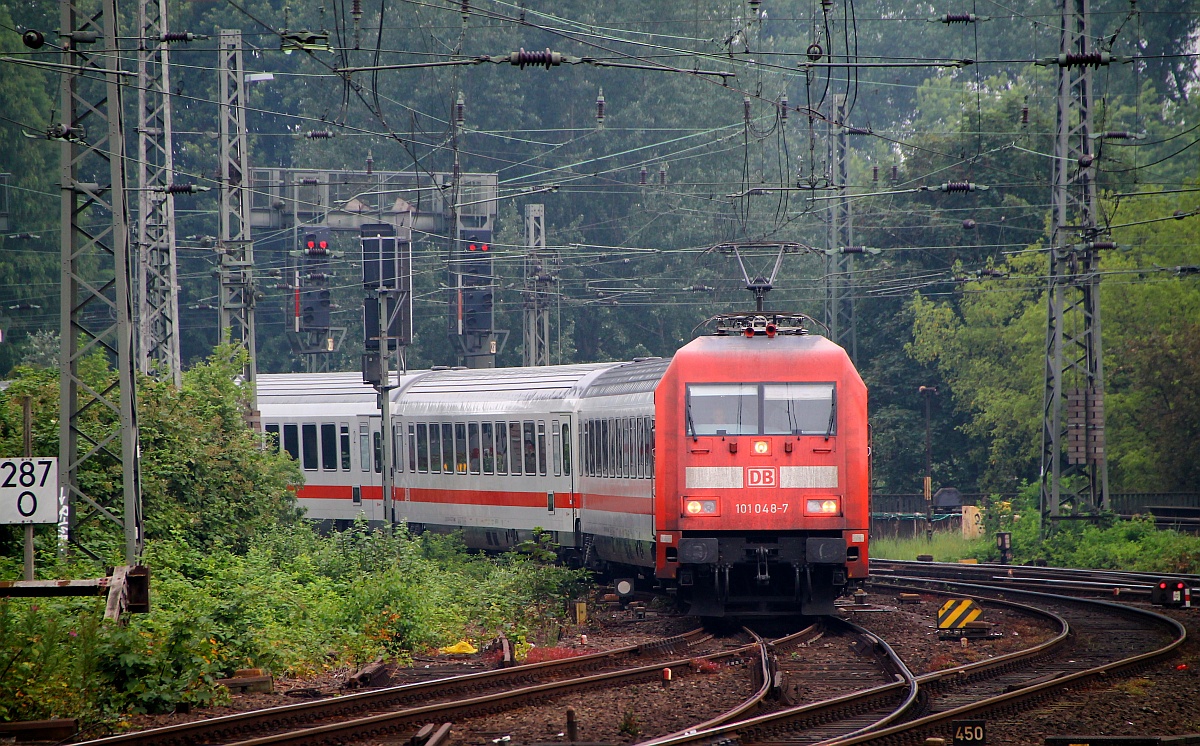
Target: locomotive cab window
[[761, 409], [799, 409], [722, 409]]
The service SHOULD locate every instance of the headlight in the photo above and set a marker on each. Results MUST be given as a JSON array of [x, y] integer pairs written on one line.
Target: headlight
[[762, 448], [823, 506], [700, 507]]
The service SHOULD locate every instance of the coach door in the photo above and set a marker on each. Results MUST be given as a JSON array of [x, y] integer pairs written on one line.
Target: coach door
[[565, 504], [370, 454]]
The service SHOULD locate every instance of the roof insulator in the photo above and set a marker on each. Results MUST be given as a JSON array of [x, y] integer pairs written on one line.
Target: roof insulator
[[958, 18], [319, 135], [460, 110], [600, 105]]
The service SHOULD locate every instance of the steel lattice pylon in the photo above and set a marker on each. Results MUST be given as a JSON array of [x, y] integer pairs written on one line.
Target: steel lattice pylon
[[537, 288], [158, 297], [839, 265], [1074, 469], [236, 250], [98, 426]]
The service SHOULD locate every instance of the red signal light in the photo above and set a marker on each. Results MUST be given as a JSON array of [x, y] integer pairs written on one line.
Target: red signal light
[[311, 244], [324, 244], [1179, 586], [483, 247], [1163, 585], [471, 247]]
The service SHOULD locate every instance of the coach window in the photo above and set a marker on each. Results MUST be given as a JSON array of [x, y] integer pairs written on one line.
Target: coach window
[[627, 447], [530, 447], [447, 448], [798, 409], [435, 448], [329, 454], [515, 449], [460, 448], [473, 446], [412, 448], [541, 447], [501, 447], [556, 449], [422, 448], [291, 441], [639, 454], [308, 443], [566, 448], [487, 447], [271, 440], [650, 451], [378, 439], [344, 445], [398, 448], [364, 446]]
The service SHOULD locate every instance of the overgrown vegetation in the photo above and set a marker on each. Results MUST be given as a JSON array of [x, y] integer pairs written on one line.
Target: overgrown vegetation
[[239, 578], [1110, 544]]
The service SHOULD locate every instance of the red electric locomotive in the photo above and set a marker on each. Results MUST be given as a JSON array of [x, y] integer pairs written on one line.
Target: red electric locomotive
[[763, 440]]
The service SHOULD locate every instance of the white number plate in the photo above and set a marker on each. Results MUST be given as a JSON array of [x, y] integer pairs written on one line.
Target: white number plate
[[28, 490]]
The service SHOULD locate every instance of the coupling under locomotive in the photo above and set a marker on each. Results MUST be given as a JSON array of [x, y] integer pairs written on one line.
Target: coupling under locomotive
[[734, 474]]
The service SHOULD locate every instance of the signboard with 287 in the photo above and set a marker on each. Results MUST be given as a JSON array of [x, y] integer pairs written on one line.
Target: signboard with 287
[[28, 490]]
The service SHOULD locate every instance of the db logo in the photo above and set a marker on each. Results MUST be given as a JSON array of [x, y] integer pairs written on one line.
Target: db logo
[[761, 476]]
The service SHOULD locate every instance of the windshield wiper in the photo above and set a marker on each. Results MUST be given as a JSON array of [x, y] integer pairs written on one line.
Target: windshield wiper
[[691, 425], [832, 414]]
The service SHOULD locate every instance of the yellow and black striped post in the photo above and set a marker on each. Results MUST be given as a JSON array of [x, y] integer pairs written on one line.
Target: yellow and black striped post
[[957, 613]]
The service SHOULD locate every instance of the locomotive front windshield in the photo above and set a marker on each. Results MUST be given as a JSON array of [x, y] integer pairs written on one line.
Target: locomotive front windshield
[[761, 409]]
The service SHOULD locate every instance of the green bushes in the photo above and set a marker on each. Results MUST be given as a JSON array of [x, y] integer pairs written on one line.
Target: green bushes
[[1108, 544], [295, 602]]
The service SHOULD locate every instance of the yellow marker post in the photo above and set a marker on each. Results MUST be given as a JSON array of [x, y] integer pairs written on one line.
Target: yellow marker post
[[957, 612]]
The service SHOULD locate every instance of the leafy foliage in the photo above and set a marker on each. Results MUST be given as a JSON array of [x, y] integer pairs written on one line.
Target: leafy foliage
[[295, 603]]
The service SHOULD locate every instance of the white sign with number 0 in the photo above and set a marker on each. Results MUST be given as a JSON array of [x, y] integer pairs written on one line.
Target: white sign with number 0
[[28, 490]]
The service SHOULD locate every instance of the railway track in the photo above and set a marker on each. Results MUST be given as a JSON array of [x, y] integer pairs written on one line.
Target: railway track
[[833, 683], [1095, 638], [409, 696], [1067, 581]]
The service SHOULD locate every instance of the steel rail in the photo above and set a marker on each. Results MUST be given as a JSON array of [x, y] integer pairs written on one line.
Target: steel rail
[[285, 716], [914, 730], [898, 696], [390, 723]]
